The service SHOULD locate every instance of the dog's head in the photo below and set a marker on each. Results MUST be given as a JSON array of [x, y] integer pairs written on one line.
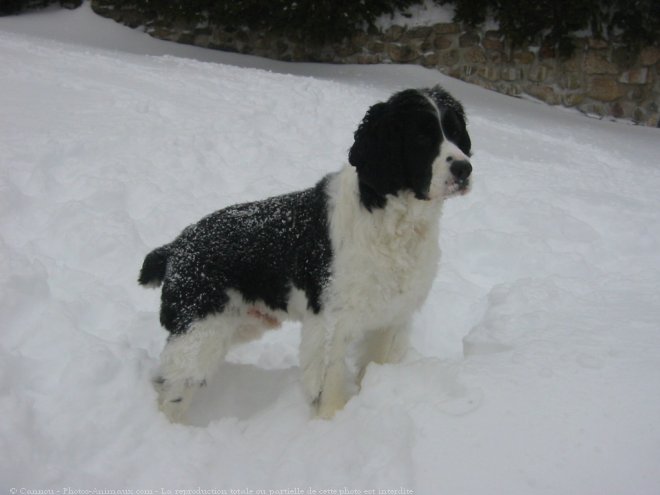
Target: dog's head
[[415, 141]]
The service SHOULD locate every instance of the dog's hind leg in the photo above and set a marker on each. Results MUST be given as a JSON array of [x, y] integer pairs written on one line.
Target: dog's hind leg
[[188, 360], [386, 345]]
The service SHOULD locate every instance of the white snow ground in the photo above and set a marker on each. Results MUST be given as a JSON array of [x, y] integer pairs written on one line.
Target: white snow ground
[[536, 360]]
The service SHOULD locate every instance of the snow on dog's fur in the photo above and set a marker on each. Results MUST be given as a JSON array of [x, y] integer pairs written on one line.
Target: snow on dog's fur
[[352, 258]]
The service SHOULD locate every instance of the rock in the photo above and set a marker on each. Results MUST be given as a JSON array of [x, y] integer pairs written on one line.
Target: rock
[[376, 46], [538, 73], [430, 59], [442, 42], [418, 33], [649, 55], [446, 28], [491, 73], [543, 93], [635, 76], [202, 40], [595, 63], [616, 110], [401, 54], [493, 44], [524, 57], [597, 43], [604, 89], [393, 33], [474, 55], [468, 39], [448, 58], [511, 74], [623, 58], [571, 80], [572, 99]]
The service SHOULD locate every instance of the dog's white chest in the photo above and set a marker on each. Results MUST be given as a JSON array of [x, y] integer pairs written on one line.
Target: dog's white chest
[[382, 281]]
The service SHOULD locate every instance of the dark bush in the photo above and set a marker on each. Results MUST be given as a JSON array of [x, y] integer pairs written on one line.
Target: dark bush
[[9, 7], [639, 20], [318, 20], [552, 21]]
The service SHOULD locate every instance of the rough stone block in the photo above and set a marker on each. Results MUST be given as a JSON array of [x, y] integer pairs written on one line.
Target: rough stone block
[[623, 58], [468, 71], [492, 44], [346, 49], [597, 43], [430, 59], [468, 40], [455, 72], [442, 42], [511, 74], [417, 33], [595, 63], [401, 54], [446, 28], [524, 57], [593, 109], [448, 58], [489, 72], [186, 38], [635, 76], [639, 115], [543, 93], [360, 39], [393, 33], [604, 89], [202, 40], [571, 80], [366, 59], [474, 55], [574, 63], [572, 99], [649, 55], [616, 110], [494, 56], [376, 46], [538, 73], [508, 89]]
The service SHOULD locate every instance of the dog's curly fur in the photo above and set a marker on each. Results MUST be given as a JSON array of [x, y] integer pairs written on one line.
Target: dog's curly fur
[[352, 258]]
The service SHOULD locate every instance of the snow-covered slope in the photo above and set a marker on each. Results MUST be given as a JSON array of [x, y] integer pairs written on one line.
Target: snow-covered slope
[[536, 360]]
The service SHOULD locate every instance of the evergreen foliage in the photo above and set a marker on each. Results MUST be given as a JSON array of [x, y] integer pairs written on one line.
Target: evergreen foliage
[[554, 20], [9, 7], [312, 19], [548, 21]]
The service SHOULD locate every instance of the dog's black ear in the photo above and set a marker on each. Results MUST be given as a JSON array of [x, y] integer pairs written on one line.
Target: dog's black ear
[[455, 128], [454, 121], [377, 155]]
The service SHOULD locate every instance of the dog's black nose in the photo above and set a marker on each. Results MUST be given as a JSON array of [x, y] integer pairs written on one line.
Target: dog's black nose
[[461, 170]]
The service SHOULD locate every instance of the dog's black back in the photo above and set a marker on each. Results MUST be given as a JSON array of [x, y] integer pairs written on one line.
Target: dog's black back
[[261, 249]]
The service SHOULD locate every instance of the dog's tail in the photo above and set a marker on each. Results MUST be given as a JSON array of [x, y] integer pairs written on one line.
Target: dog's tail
[[154, 266]]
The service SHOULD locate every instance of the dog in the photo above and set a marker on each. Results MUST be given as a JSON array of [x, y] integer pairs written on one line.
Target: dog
[[352, 258]]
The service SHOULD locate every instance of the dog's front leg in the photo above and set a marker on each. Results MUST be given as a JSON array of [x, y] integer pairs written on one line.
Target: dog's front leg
[[323, 364], [333, 394]]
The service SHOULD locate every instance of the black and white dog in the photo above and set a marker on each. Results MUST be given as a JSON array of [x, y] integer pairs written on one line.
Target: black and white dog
[[352, 258]]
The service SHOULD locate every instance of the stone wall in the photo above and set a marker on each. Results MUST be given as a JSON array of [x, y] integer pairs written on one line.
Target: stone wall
[[602, 78]]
